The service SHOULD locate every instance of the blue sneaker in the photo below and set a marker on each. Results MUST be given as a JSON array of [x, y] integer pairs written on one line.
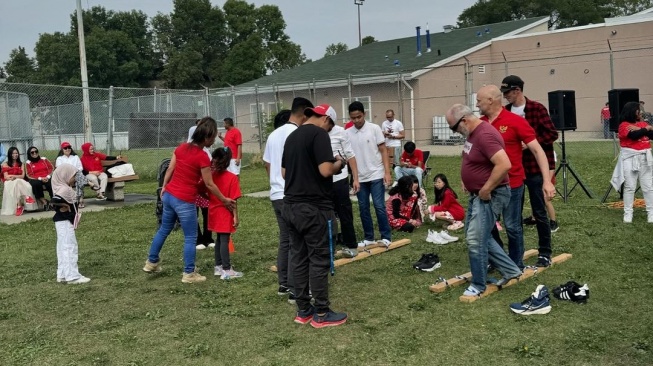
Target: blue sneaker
[[328, 319], [537, 303], [305, 316]]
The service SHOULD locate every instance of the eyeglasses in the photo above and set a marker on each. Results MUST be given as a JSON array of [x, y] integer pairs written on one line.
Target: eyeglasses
[[34, 152], [454, 128]]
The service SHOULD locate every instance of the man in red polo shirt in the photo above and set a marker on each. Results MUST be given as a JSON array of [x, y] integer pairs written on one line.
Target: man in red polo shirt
[[233, 139], [411, 162], [516, 133]]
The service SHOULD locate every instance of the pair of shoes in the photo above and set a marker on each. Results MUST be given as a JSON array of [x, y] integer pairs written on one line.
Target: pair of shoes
[[305, 316], [152, 267], [29, 200], [499, 227], [349, 252], [440, 238], [211, 245], [79, 281], [554, 226], [365, 243], [628, 218], [328, 319], [428, 263], [200, 247], [472, 291], [572, 291], [192, 277], [283, 290], [228, 274], [505, 280], [543, 261], [218, 271], [457, 225], [537, 303], [100, 197], [529, 221], [20, 210]]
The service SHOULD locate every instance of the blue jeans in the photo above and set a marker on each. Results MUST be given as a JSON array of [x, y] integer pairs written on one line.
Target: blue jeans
[[514, 226], [377, 190], [173, 208], [534, 184], [481, 246], [401, 172]]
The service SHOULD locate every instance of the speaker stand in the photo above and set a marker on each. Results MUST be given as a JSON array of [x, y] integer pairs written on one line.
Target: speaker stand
[[565, 167], [617, 149]]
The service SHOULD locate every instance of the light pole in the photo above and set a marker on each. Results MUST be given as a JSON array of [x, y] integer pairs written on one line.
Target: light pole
[[358, 4], [86, 107]]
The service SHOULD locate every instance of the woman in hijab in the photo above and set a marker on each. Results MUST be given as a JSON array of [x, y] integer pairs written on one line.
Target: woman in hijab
[[65, 220], [94, 169]]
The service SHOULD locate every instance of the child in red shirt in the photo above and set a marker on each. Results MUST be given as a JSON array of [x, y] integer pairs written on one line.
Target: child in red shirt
[[221, 220], [446, 206]]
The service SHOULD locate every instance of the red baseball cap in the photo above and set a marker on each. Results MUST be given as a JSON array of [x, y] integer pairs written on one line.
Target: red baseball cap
[[322, 110], [65, 144]]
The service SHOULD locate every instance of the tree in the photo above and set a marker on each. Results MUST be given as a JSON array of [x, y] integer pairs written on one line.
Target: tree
[[3, 75], [368, 40], [335, 48], [20, 67]]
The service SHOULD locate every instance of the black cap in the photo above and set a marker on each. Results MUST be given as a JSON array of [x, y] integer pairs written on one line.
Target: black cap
[[511, 82]]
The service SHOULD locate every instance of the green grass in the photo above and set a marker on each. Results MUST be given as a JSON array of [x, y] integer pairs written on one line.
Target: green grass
[[126, 317]]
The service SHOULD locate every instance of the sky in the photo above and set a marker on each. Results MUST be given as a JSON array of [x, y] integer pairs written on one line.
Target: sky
[[313, 26]]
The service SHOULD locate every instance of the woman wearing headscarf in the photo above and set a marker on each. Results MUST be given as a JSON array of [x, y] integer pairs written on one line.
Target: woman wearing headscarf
[[65, 220], [94, 169], [39, 172], [16, 189]]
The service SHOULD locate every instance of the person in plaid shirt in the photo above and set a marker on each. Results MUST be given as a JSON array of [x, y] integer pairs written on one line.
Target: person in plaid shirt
[[538, 117]]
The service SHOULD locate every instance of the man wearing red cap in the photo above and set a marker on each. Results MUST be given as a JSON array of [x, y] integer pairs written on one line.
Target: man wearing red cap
[[308, 165]]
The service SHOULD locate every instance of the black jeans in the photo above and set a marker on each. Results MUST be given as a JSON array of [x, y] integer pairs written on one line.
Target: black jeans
[[222, 251], [204, 236], [534, 184], [38, 187], [309, 252], [342, 205], [284, 272]]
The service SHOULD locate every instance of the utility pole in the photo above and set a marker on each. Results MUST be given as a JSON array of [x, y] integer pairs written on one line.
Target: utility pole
[[88, 132]]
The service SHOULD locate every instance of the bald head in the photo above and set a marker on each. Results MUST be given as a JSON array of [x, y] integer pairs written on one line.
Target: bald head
[[488, 100]]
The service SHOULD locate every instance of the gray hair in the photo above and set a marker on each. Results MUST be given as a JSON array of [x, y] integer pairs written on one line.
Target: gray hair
[[458, 111]]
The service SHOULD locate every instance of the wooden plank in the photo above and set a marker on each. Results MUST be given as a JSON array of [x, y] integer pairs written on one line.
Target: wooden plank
[[528, 272], [126, 178], [364, 253], [464, 278]]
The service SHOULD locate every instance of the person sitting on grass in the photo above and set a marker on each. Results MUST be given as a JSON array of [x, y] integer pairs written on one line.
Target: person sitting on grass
[[65, 220], [403, 212], [222, 220], [446, 207], [422, 200], [16, 189]]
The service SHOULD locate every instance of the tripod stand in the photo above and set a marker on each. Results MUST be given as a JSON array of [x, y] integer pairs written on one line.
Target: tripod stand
[[565, 166]]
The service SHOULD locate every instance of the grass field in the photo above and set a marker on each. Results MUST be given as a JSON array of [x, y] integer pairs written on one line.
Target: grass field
[[126, 317]]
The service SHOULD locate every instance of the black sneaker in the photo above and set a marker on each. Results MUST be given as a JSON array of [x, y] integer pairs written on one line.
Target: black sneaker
[[543, 261], [431, 263], [572, 291], [554, 226], [530, 221], [305, 316], [421, 260], [328, 319], [283, 290], [292, 299]]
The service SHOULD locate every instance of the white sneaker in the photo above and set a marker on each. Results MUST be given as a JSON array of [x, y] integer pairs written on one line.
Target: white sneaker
[[211, 245], [218, 271], [649, 219], [365, 243], [230, 273], [385, 242], [437, 239], [79, 281], [429, 236], [628, 218], [445, 235], [200, 247]]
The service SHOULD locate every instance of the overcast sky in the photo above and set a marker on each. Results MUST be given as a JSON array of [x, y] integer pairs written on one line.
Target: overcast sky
[[314, 25]]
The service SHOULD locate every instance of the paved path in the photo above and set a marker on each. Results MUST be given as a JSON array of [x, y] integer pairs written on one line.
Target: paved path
[[92, 205]]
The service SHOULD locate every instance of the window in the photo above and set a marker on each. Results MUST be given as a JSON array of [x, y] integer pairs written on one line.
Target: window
[[481, 69], [253, 114], [272, 108], [367, 103]]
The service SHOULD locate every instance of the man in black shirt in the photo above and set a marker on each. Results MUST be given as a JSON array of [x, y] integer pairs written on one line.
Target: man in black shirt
[[308, 166]]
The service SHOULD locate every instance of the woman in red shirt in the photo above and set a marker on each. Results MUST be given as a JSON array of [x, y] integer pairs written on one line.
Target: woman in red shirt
[[15, 186], [189, 163], [635, 159], [39, 172]]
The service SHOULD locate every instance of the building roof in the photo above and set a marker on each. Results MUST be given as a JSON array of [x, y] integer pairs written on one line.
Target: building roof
[[380, 57]]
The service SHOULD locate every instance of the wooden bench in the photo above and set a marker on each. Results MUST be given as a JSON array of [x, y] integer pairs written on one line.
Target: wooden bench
[[116, 187]]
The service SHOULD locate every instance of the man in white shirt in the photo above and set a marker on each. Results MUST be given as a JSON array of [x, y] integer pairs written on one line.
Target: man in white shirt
[[393, 130], [341, 146], [272, 158], [368, 144]]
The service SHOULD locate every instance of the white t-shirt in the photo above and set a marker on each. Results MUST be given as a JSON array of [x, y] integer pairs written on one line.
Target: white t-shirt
[[519, 110], [71, 159], [272, 155], [340, 144], [191, 131], [365, 143], [393, 128]]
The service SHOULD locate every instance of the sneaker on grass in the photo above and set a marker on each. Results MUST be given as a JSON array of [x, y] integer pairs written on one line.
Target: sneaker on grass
[[79, 281], [305, 316], [228, 274], [328, 319], [152, 267], [572, 291], [218, 271], [430, 264], [445, 235], [192, 277], [554, 226], [537, 303], [349, 252], [423, 259]]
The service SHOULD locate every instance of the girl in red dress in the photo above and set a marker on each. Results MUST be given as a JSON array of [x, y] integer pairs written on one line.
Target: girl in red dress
[[446, 206], [221, 220]]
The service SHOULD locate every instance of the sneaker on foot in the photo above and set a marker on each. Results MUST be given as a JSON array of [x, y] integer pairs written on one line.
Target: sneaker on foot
[[211, 245], [200, 247], [218, 271], [628, 218], [328, 319], [192, 277], [445, 235], [283, 290], [305, 316], [554, 226], [152, 267], [79, 281], [365, 243], [19, 210], [472, 291], [505, 280], [385, 242], [530, 221], [457, 225], [228, 274], [543, 261], [572, 291], [537, 303], [349, 252], [29, 200], [430, 264]]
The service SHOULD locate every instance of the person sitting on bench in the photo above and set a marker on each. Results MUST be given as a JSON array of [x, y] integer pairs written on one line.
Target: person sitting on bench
[[92, 162]]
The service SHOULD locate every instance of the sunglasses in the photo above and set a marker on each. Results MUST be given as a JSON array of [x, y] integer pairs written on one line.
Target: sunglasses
[[454, 128], [67, 148], [34, 152]]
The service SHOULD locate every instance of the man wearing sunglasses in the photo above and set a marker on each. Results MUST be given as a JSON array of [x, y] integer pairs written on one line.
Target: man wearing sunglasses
[[484, 173], [39, 171]]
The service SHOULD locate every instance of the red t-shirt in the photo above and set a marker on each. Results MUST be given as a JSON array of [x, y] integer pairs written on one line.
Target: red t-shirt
[[221, 220], [40, 169], [190, 159], [514, 129], [232, 139], [450, 204], [11, 170], [480, 146], [417, 157], [642, 143], [605, 113], [349, 125]]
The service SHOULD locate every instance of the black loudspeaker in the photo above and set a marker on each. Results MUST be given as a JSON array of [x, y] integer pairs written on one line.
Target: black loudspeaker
[[617, 98], [562, 109]]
